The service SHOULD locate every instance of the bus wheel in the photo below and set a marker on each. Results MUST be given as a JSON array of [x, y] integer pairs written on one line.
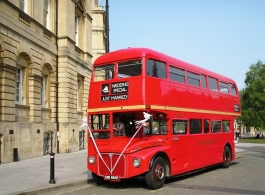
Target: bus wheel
[[97, 179], [156, 177], [227, 157]]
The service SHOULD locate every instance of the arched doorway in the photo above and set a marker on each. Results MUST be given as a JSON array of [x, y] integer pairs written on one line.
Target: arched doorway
[[47, 143]]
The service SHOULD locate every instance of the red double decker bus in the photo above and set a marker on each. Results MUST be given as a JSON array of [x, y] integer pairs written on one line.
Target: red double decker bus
[[191, 125]]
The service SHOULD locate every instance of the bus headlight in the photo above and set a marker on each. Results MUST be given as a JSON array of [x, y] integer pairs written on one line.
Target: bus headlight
[[136, 162], [91, 160]]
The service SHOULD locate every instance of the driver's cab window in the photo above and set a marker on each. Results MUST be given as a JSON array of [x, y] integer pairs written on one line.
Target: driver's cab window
[[157, 127], [99, 124]]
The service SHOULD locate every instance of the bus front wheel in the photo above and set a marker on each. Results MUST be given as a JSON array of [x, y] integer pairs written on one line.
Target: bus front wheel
[[97, 179], [156, 177], [227, 157]]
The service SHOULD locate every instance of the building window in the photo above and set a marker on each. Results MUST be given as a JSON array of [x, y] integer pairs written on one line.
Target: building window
[[18, 86], [79, 93], [43, 91], [46, 17], [22, 4], [97, 2], [76, 30]]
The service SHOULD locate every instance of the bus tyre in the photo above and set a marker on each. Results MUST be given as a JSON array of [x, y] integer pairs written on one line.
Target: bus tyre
[[97, 179], [227, 157], [156, 177]]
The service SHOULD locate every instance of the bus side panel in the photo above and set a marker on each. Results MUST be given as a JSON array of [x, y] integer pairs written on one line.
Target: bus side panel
[[156, 91], [180, 158]]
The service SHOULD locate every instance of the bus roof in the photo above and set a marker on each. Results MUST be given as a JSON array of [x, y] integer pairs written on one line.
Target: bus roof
[[131, 53]]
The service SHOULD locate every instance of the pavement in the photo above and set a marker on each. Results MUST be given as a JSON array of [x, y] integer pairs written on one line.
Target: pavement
[[32, 176]]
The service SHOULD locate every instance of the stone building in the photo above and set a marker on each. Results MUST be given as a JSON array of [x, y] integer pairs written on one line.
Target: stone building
[[45, 68], [99, 37]]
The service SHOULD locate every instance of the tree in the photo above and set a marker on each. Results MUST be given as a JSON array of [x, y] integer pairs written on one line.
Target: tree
[[253, 97]]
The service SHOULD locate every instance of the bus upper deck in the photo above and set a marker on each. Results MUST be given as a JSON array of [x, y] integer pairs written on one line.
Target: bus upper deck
[[139, 77]]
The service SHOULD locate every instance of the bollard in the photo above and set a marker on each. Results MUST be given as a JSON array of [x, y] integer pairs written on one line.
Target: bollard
[[15, 154], [52, 180]]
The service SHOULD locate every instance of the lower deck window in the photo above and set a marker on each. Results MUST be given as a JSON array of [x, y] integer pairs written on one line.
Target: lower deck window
[[179, 126]]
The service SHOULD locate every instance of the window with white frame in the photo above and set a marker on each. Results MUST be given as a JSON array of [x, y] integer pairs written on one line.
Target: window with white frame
[[43, 91], [97, 2], [18, 91], [23, 5], [76, 30], [46, 17]]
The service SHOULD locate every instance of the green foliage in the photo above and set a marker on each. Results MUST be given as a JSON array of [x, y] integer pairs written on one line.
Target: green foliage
[[253, 97]]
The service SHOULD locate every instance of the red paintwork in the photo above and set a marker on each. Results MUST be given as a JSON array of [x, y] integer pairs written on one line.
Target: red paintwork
[[184, 152]]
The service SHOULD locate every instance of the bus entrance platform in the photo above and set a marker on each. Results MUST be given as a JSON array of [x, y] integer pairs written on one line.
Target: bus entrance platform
[[32, 176]]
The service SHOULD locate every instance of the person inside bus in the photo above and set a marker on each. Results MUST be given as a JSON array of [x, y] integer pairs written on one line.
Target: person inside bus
[[118, 126]]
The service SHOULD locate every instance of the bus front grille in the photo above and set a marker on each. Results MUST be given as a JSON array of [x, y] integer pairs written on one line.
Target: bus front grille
[[108, 166]]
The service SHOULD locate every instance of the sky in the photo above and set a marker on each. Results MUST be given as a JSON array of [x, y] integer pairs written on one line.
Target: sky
[[223, 36]]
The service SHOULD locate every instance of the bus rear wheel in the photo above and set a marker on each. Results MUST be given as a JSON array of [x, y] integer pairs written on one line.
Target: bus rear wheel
[[97, 179], [227, 157], [156, 177]]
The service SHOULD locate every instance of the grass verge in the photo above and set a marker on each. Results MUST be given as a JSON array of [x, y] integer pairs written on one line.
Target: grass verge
[[252, 140]]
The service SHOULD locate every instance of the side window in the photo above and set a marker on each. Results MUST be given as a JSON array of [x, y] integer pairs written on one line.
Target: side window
[[203, 80], [102, 73], [179, 126], [206, 125], [225, 126], [232, 89], [177, 74], [163, 127], [156, 69], [216, 126], [193, 79], [213, 84], [195, 126], [129, 68], [223, 87]]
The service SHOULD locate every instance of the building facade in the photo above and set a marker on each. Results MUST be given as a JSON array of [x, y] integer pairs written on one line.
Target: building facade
[[99, 37], [45, 68]]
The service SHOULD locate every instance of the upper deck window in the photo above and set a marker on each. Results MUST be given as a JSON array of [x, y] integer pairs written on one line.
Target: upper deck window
[[102, 73], [232, 89], [194, 79], [223, 87], [156, 69], [203, 80], [213, 84], [177, 74], [129, 68]]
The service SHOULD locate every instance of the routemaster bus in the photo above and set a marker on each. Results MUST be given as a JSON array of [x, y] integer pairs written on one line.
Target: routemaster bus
[[191, 117]]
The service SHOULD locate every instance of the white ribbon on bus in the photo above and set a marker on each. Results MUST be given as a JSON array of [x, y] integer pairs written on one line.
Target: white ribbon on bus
[[138, 125]]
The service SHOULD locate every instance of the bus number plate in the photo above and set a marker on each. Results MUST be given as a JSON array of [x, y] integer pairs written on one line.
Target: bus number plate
[[112, 177]]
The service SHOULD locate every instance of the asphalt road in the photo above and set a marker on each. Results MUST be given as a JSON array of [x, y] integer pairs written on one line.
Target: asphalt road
[[244, 176]]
